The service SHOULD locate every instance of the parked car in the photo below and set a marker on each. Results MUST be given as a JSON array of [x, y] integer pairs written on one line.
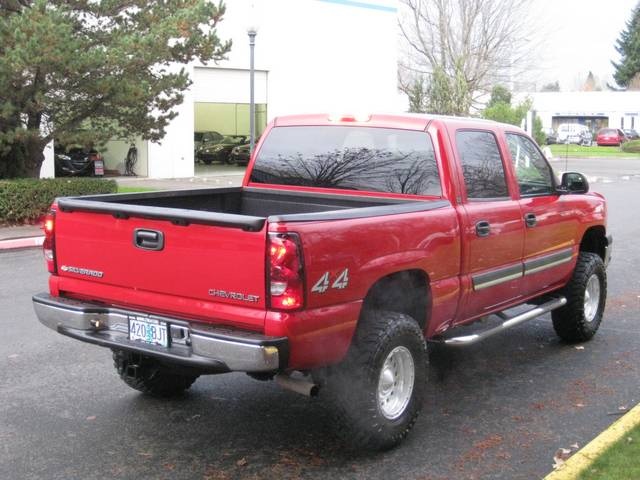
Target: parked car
[[200, 138], [240, 155], [219, 151], [574, 133], [77, 161], [610, 137], [631, 134], [551, 136]]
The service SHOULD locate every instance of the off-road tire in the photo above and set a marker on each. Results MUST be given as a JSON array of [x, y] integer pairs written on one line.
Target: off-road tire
[[354, 384], [150, 377], [570, 322]]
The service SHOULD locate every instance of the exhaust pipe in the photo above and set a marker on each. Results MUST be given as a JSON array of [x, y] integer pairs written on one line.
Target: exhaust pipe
[[298, 385]]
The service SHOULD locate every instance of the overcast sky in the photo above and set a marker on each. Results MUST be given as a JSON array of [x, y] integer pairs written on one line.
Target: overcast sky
[[579, 36]]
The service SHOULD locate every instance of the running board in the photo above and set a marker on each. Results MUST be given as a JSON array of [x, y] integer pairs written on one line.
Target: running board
[[508, 323]]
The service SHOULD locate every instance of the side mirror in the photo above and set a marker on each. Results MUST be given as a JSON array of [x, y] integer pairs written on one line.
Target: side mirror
[[574, 182]]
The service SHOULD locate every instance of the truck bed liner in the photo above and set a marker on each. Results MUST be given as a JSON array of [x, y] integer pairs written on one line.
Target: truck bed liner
[[244, 208]]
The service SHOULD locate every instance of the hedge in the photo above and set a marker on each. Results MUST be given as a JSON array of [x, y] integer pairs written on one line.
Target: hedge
[[631, 147], [27, 200]]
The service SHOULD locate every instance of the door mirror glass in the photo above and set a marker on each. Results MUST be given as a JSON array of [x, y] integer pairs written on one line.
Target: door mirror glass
[[574, 182]]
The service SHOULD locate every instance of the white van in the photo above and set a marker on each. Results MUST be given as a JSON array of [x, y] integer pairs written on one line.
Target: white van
[[574, 133]]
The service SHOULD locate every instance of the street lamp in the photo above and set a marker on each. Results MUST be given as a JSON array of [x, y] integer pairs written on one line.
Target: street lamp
[[252, 31]]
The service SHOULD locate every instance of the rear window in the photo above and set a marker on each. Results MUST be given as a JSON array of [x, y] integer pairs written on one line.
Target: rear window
[[349, 158], [608, 131]]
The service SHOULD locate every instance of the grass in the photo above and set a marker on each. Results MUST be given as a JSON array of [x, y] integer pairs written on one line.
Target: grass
[[593, 151], [122, 189], [620, 461]]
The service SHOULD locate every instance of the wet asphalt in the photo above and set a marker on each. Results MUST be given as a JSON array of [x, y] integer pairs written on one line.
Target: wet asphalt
[[496, 410]]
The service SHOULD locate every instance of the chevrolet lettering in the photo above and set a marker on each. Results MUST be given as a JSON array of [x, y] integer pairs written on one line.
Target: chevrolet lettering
[[353, 245], [233, 295]]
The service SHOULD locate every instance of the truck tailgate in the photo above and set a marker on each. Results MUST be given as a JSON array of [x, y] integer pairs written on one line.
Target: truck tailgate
[[208, 263]]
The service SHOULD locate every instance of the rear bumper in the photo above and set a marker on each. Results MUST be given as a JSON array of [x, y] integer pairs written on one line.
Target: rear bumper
[[205, 347]]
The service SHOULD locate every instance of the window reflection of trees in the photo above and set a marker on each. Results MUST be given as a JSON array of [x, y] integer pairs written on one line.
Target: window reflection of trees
[[481, 165], [353, 168]]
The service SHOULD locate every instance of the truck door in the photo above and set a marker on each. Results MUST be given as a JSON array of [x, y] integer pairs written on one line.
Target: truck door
[[551, 221], [493, 228]]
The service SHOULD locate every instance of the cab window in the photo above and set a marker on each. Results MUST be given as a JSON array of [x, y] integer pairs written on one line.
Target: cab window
[[532, 171], [482, 166]]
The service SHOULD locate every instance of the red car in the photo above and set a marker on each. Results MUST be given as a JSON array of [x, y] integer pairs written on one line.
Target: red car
[[611, 137]]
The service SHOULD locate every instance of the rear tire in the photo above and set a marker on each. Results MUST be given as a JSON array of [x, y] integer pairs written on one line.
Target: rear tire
[[148, 376], [586, 295], [379, 389]]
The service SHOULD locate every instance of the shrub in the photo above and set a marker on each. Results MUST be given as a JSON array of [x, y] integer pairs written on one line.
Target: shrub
[[27, 200], [631, 147]]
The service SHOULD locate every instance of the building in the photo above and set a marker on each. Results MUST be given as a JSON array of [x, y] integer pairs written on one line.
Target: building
[[593, 109], [310, 56]]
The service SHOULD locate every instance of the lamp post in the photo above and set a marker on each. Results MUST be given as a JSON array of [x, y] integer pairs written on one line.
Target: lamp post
[[252, 32]]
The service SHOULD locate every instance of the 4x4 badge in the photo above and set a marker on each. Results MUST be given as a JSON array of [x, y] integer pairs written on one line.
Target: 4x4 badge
[[340, 282]]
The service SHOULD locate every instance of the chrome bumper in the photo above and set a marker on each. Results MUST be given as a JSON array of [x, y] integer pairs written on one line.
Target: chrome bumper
[[192, 344]]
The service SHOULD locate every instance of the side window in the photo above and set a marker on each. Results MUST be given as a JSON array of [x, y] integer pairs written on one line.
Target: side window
[[532, 170], [481, 164]]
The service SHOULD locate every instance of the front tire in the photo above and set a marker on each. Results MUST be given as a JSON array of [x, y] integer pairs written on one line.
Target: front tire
[[148, 376], [379, 389], [586, 294]]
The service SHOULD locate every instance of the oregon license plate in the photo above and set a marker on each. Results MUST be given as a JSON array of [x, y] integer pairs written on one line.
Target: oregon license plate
[[148, 330]]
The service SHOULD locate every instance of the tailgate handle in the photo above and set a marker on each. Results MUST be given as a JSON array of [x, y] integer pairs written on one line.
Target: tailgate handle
[[148, 239]]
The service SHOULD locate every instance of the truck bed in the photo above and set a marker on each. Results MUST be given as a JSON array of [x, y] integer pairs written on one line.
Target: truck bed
[[244, 208]]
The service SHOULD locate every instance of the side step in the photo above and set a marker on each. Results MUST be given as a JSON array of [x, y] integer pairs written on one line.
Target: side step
[[508, 323]]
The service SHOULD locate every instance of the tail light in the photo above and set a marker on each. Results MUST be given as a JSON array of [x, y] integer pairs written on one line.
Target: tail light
[[49, 244], [285, 281]]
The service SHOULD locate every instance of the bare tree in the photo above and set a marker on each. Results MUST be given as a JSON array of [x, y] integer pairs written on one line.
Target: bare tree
[[463, 46]]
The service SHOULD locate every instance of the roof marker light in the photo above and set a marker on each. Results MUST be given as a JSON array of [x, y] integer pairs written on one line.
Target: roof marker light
[[360, 117]]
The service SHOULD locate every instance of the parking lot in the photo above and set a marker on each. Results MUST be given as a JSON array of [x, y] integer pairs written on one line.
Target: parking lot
[[496, 410]]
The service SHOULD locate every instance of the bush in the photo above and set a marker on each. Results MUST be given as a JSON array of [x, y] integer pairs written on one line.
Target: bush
[[631, 147], [27, 200]]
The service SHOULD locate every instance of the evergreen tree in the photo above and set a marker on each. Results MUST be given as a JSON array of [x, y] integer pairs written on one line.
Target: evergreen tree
[[417, 93], [95, 68], [628, 46], [499, 94]]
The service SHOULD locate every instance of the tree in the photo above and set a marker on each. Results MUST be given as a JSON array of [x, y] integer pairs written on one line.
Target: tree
[[592, 83], [499, 94], [628, 46], [417, 92], [437, 93], [82, 69], [473, 43], [448, 95], [504, 112], [551, 87]]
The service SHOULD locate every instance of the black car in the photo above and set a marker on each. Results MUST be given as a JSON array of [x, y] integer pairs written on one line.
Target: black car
[[240, 155], [201, 138], [220, 151], [77, 161], [631, 134]]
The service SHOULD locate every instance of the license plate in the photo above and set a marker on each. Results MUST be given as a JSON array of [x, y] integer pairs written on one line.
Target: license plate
[[148, 330]]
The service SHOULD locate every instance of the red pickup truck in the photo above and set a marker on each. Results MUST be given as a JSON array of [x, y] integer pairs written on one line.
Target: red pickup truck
[[352, 243]]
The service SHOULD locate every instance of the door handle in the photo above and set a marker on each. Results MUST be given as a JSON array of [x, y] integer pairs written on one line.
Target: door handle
[[148, 239], [530, 220], [483, 228]]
